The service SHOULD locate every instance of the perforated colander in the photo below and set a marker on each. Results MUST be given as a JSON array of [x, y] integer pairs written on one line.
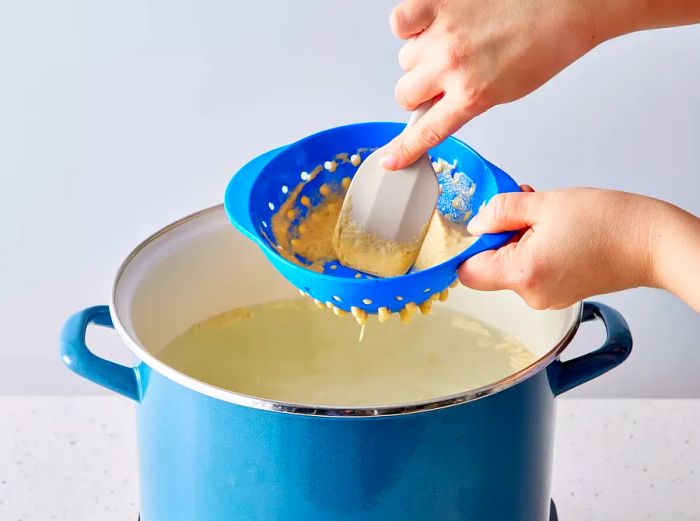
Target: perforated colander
[[258, 190]]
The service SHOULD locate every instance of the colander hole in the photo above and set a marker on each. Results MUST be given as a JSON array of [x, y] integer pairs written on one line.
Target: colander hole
[[426, 290], [264, 224], [367, 301], [285, 189], [304, 176], [399, 298], [271, 206], [336, 298]]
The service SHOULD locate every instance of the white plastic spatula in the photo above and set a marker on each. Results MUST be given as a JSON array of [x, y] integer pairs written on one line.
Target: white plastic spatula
[[385, 214]]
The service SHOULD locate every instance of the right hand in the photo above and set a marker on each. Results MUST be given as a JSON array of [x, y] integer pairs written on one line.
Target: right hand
[[472, 55]]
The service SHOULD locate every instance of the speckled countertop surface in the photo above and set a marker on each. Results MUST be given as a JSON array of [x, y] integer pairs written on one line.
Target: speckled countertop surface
[[74, 458]]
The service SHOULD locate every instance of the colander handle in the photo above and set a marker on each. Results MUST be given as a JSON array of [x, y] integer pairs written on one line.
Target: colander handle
[[504, 183], [79, 359], [237, 195], [491, 241], [615, 350], [418, 113]]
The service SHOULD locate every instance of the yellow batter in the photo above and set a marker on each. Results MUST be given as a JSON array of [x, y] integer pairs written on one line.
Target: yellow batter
[[369, 252], [313, 236], [443, 241]]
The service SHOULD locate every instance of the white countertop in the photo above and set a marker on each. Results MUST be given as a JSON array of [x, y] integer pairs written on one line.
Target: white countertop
[[74, 458]]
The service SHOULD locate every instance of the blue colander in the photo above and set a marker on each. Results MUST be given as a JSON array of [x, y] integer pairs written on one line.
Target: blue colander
[[260, 188]]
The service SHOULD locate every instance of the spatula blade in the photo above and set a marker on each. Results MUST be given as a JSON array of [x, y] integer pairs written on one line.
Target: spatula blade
[[385, 216]]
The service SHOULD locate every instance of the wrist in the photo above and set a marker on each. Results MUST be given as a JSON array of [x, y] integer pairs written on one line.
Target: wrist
[[660, 215], [674, 245], [639, 222], [610, 19]]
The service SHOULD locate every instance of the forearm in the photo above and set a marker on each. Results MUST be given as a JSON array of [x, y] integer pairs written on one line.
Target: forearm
[[670, 13], [675, 247], [612, 18]]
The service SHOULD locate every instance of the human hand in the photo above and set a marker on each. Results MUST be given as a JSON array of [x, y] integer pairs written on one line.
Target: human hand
[[574, 243], [471, 55]]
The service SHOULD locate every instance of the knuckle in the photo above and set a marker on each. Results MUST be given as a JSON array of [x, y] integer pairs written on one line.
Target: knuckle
[[406, 150], [405, 58], [465, 111], [509, 205], [533, 287], [452, 26], [561, 305], [536, 301], [465, 276], [457, 50], [453, 56], [429, 136], [401, 95], [500, 207], [404, 61], [527, 279], [472, 100], [397, 20]]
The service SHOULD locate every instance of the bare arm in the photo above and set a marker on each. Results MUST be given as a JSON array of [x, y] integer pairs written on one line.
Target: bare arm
[[675, 243]]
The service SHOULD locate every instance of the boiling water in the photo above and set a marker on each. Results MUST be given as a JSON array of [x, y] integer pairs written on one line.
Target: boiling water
[[291, 351]]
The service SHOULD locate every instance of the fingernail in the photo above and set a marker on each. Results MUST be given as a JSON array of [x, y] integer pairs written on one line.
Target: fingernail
[[388, 161]]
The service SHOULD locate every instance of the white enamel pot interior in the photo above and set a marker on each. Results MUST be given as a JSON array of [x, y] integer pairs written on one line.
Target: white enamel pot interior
[[201, 266]]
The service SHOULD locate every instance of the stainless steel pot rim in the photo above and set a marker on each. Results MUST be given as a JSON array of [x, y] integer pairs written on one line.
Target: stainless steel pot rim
[[309, 409]]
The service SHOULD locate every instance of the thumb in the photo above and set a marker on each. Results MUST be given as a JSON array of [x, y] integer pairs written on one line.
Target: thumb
[[505, 212]]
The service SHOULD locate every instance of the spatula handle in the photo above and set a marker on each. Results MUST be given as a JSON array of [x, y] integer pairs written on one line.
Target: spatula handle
[[419, 112]]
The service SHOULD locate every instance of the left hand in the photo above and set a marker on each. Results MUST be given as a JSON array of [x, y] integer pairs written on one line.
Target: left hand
[[575, 243]]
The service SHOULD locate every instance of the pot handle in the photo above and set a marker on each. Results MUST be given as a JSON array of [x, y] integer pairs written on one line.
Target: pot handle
[[615, 350], [79, 359]]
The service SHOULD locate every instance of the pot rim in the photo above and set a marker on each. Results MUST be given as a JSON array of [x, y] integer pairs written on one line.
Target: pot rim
[[308, 409]]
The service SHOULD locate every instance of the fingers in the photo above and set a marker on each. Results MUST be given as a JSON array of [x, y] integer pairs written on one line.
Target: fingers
[[411, 17], [409, 55], [511, 268], [518, 265], [514, 267], [490, 270], [416, 86], [443, 118], [506, 212]]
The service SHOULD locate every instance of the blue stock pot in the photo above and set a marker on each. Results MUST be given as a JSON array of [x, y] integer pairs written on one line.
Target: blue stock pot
[[207, 454]]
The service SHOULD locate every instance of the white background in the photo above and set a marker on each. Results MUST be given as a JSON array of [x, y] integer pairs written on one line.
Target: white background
[[117, 118]]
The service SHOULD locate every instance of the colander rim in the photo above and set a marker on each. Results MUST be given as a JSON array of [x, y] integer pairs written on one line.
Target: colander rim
[[320, 276]]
